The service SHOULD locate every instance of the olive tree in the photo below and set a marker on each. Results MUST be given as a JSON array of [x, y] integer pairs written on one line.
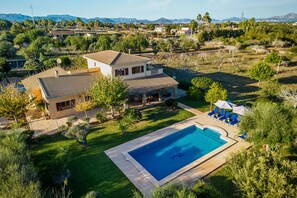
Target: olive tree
[[109, 92], [263, 174], [79, 133], [13, 104], [269, 123]]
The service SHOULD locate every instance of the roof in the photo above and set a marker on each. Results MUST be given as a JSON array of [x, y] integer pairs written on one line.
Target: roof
[[69, 85], [150, 83], [63, 86], [32, 83], [114, 58]]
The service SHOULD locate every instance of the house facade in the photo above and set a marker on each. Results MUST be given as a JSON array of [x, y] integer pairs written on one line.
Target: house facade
[[61, 92]]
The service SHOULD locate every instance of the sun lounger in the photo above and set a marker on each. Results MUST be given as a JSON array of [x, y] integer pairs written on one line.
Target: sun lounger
[[222, 112], [232, 118], [227, 114], [214, 111], [234, 122]]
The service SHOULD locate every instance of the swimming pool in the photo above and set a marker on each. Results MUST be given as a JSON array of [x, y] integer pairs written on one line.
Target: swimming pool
[[173, 152]]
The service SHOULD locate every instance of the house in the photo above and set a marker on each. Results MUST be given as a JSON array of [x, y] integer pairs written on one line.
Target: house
[[160, 29], [31, 83], [62, 91], [184, 30]]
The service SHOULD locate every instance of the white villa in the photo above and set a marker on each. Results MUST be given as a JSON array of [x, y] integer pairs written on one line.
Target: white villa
[[61, 91]]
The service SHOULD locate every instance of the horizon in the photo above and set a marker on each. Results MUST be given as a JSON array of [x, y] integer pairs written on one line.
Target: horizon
[[170, 9]]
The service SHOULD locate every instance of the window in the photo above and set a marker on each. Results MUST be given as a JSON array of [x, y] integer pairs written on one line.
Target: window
[[136, 70], [65, 105], [122, 72], [87, 98], [94, 64]]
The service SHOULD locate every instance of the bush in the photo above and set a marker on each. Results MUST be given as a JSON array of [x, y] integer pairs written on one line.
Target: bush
[[31, 64], [93, 194], [293, 49], [273, 57], [195, 93], [17, 176], [269, 123], [171, 103], [270, 90], [263, 174], [132, 113], [261, 71], [202, 83], [65, 61], [101, 117]]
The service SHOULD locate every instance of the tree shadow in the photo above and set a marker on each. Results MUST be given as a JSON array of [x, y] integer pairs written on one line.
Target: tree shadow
[[224, 185], [288, 80]]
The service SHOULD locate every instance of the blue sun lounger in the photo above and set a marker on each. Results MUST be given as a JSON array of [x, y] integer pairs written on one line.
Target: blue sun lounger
[[227, 114], [222, 112], [214, 111], [235, 121], [232, 118]]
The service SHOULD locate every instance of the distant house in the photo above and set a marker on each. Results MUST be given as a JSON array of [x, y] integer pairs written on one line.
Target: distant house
[[184, 31], [61, 33], [160, 29], [61, 90]]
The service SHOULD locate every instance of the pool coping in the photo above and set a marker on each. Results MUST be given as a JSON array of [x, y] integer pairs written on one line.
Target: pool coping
[[177, 128]]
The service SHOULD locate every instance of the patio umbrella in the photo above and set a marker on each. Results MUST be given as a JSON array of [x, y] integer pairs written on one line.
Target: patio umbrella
[[240, 110], [224, 104]]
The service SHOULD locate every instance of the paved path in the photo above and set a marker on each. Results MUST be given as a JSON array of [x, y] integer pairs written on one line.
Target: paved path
[[190, 109]]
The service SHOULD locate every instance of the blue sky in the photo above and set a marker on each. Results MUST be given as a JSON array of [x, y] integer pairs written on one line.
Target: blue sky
[[151, 9]]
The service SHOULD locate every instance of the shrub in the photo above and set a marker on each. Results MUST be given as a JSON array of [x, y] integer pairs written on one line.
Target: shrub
[[261, 71], [195, 93], [132, 113], [101, 117], [93, 194], [270, 90], [263, 174], [65, 61], [273, 57], [293, 49], [268, 123], [171, 103], [202, 82], [31, 64]]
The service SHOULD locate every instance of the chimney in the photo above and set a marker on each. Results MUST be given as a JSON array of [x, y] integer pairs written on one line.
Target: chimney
[[56, 73]]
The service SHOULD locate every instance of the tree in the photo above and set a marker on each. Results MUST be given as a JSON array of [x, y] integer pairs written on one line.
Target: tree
[[79, 133], [193, 25], [171, 103], [18, 177], [261, 71], [109, 92], [289, 96], [7, 50], [4, 66], [268, 123], [263, 174], [206, 18], [199, 18], [21, 39], [31, 64], [270, 90], [199, 86], [274, 58], [80, 23], [216, 92], [13, 104], [103, 43]]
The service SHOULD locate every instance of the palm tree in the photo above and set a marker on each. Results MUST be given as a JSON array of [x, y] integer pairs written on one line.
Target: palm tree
[[199, 17]]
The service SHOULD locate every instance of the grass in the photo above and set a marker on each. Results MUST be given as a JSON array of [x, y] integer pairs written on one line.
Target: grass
[[222, 181], [91, 169], [200, 105]]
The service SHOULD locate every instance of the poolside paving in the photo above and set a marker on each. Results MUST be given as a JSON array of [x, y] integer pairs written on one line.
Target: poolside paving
[[143, 180]]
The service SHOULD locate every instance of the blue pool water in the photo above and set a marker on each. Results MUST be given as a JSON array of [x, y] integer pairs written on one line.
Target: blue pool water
[[173, 152]]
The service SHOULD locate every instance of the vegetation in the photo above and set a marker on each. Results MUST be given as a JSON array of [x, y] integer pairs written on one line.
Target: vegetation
[[201, 189], [171, 103], [109, 92], [90, 168], [17, 175], [269, 123], [261, 71], [270, 90], [263, 174], [13, 104], [216, 92], [199, 86]]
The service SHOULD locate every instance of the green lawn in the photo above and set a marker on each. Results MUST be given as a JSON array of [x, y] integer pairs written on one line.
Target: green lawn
[[200, 105], [90, 168]]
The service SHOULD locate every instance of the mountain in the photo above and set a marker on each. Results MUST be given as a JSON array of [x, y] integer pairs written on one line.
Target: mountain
[[291, 17]]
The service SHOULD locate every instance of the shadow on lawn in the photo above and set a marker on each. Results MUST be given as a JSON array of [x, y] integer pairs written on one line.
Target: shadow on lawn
[[224, 185], [288, 80]]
